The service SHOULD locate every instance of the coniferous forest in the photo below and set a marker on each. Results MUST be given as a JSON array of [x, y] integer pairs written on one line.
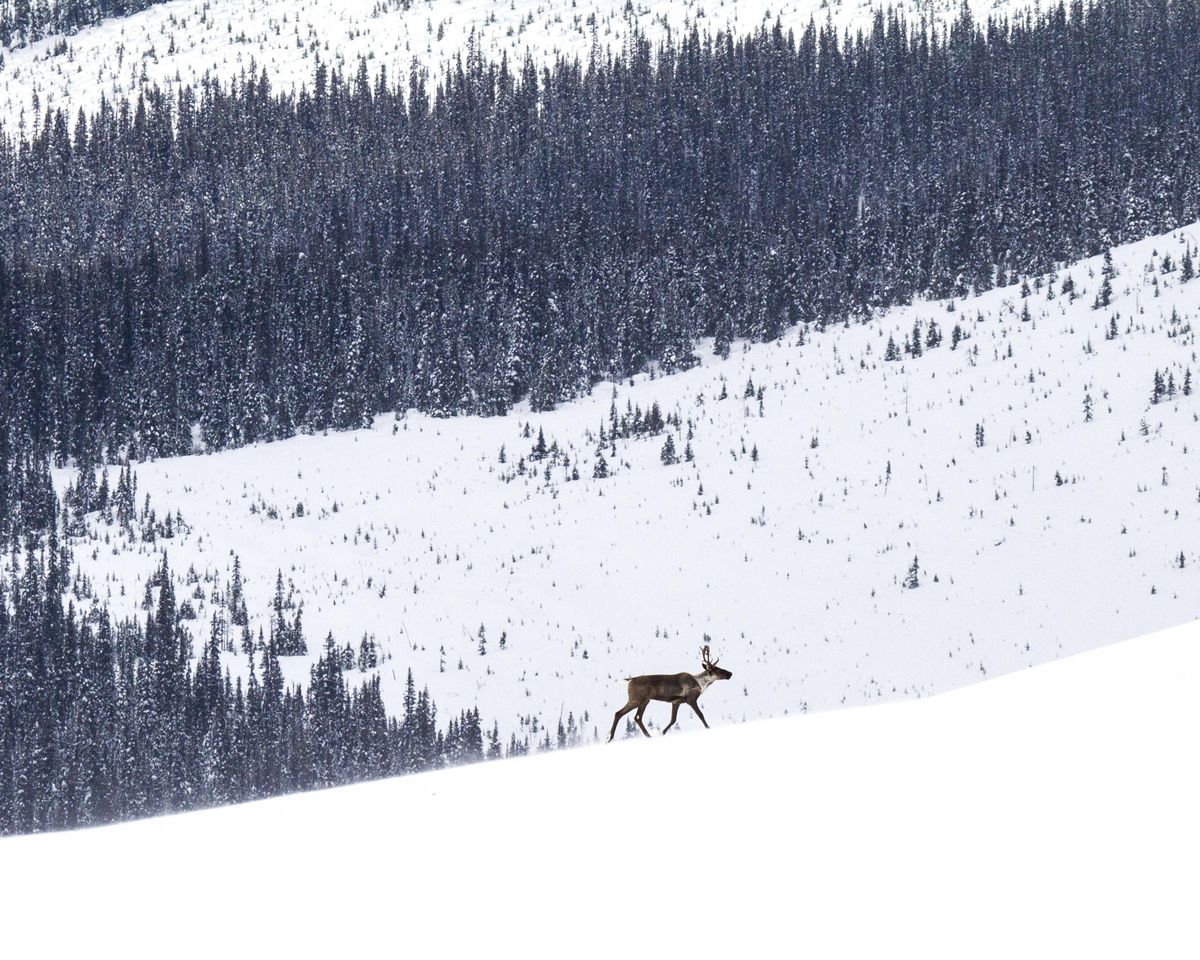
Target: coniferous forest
[[260, 264], [240, 265], [103, 721]]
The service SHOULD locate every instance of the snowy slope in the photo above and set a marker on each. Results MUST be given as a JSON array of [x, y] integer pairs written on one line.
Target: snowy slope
[[1051, 813], [179, 42], [414, 532]]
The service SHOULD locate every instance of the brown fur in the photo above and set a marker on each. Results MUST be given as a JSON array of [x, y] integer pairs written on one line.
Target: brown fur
[[672, 688]]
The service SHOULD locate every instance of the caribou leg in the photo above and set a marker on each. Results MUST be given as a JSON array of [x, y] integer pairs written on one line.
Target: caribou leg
[[638, 719], [617, 719], [674, 712], [696, 707]]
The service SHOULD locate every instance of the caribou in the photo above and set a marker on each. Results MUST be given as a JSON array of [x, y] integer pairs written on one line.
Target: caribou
[[672, 688]]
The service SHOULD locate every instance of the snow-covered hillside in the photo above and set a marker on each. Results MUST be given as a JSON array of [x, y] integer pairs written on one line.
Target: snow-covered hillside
[[788, 539], [1049, 813], [177, 43]]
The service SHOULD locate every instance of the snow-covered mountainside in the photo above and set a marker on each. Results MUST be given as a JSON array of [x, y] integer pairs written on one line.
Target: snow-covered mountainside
[[1049, 505], [1047, 813], [178, 43]]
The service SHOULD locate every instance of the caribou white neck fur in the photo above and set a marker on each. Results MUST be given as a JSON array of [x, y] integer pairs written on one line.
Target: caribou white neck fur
[[705, 680]]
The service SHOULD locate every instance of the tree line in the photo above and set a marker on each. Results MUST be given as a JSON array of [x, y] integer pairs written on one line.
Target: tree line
[[103, 721]]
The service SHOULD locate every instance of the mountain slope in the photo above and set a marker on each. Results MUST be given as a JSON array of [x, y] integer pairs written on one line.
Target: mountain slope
[[1047, 813], [178, 43], [788, 539]]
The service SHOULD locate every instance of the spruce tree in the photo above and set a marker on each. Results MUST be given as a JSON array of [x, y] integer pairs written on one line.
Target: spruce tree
[[668, 455]]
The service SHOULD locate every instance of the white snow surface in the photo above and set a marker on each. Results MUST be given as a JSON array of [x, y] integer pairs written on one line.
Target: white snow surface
[[414, 533], [176, 44], [1049, 813]]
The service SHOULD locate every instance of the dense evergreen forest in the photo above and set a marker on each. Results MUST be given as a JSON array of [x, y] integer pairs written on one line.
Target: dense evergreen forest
[[261, 264], [241, 265]]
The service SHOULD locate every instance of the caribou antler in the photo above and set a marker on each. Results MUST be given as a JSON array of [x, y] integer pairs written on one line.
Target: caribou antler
[[704, 655]]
